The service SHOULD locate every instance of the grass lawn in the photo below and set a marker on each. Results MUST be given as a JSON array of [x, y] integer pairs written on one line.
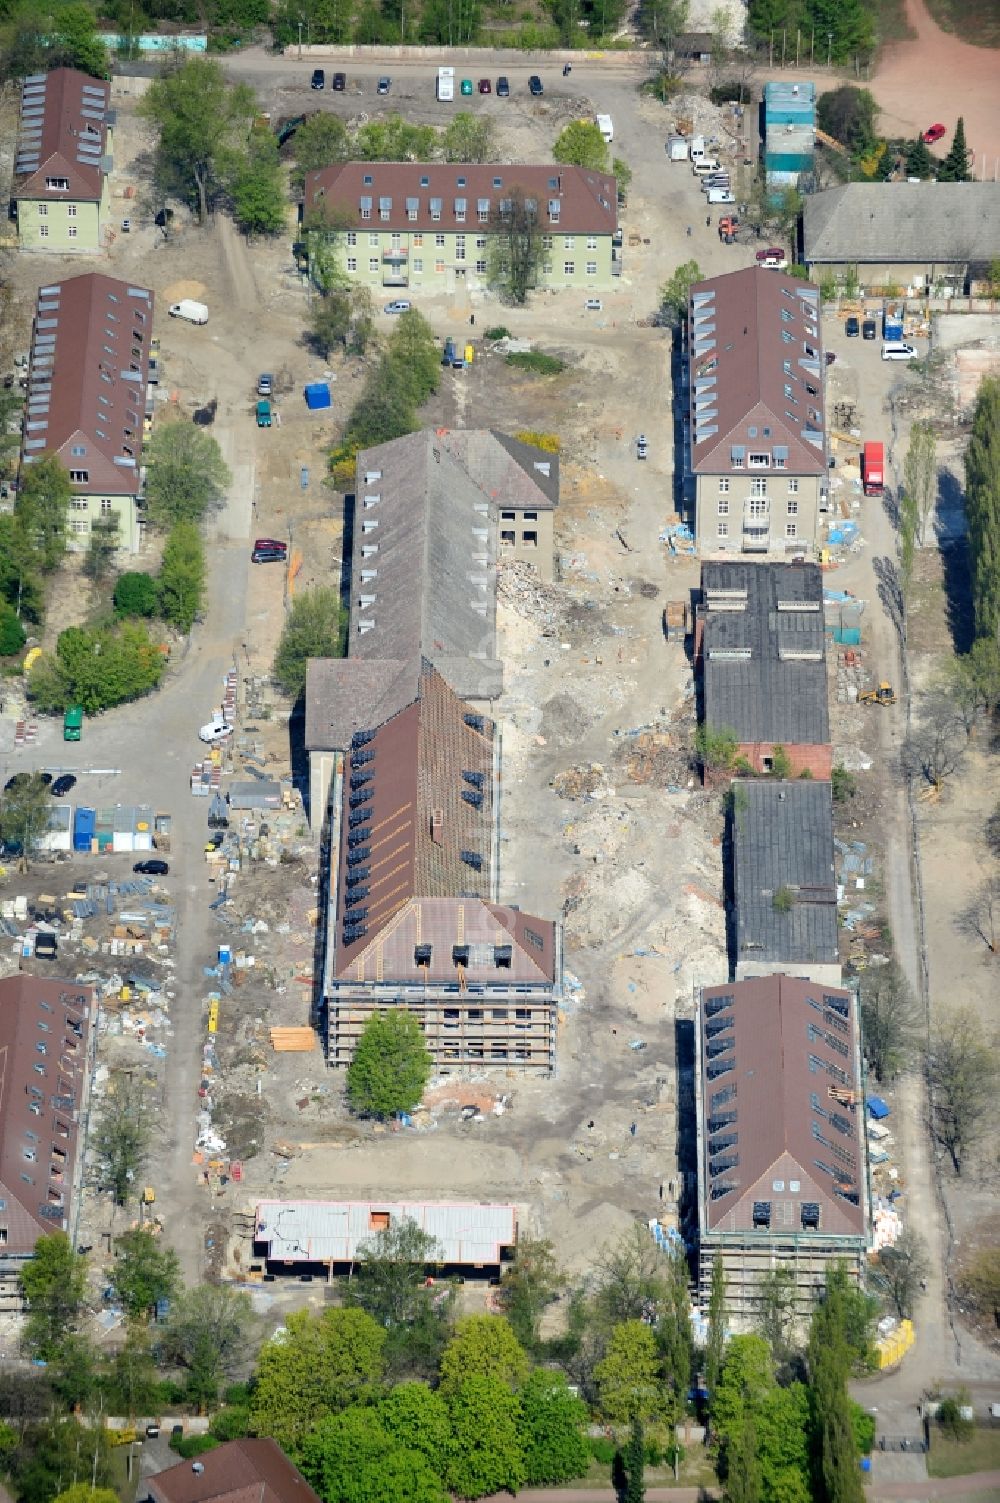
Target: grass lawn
[[951, 1458], [975, 21], [696, 1470]]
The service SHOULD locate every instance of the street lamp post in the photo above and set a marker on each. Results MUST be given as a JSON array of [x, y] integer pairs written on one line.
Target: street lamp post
[[829, 47], [300, 41]]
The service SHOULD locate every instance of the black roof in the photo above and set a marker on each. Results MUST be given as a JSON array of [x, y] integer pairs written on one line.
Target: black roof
[[764, 652], [783, 838]]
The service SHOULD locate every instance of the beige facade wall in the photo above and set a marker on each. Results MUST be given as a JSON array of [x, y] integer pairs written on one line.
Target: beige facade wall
[[528, 536], [84, 511], [902, 275], [771, 515]]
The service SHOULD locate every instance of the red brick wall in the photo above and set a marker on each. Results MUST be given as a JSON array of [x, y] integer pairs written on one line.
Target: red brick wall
[[804, 757]]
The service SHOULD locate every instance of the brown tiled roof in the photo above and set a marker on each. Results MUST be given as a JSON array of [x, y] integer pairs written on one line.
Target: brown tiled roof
[[417, 812], [240, 1471], [63, 135], [503, 944], [587, 201], [743, 329], [769, 1051], [87, 381], [44, 1034]]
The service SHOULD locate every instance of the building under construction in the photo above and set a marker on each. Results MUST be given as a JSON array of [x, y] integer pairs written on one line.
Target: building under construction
[[413, 919], [782, 1166]]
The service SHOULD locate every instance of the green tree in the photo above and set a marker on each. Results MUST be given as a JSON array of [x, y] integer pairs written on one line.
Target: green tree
[[20, 582], [105, 540], [315, 627], [52, 1452], [746, 1379], [124, 1133], [389, 1282], [630, 1279], [96, 668], [850, 115], [25, 813], [673, 1332], [629, 1380], [469, 138], [319, 142], [200, 119], [413, 358], [134, 1379], [715, 1342], [186, 474], [889, 1019], [622, 173], [344, 316], [72, 1370], [982, 508], [391, 1066], [488, 1454], [832, 1354], [181, 582], [145, 1270], [674, 293], [53, 1283], [581, 144], [920, 474], [634, 1464], [135, 594], [957, 165], [416, 1418], [663, 21], [776, 1314], [528, 1286], [483, 1345], [322, 1363], [256, 186], [743, 1469], [514, 246], [82, 1492], [207, 1336], [394, 140], [901, 1269], [77, 43], [42, 509], [350, 1458], [909, 521], [553, 1424], [918, 160], [12, 633]]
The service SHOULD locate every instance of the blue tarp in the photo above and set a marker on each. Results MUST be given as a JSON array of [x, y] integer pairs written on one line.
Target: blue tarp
[[317, 394], [876, 1107]]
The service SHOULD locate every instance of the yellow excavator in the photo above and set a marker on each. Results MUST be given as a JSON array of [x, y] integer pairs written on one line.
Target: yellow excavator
[[883, 695]]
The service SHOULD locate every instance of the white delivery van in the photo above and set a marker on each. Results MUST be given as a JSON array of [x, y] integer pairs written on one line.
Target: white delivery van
[[721, 196], [698, 152], [706, 167], [606, 127], [445, 88], [190, 311]]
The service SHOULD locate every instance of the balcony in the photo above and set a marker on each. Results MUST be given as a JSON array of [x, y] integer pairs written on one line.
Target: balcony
[[396, 253], [756, 537]]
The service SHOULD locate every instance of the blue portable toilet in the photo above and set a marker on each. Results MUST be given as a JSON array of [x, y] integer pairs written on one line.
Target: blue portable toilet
[[84, 827], [317, 394]]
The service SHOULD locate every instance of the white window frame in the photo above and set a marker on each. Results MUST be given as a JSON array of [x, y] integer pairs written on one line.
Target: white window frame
[[724, 508], [352, 263], [793, 486], [758, 461], [723, 484], [793, 508], [592, 268], [723, 529], [569, 268], [758, 485]]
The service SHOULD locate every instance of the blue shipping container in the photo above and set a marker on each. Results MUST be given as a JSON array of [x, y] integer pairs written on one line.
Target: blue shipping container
[[317, 394], [84, 828]]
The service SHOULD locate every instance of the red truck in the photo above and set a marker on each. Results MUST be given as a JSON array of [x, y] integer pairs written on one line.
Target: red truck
[[873, 469]]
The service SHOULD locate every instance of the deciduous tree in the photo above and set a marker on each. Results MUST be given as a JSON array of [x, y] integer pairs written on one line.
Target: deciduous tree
[[391, 1066], [963, 1071], [469, 138], [186, 474], [488, 1454], [528, 1286], [53, 1283], [42, 509], [322, 1363], [181, 581], [208, 1335], [145, 1270], [394, 140], [319, 142], [581, 144], [514, 246], [201, 119], [889, 1018], [716, 1338], [674, 293], [629, 1378], [901, 1269], [135, 594], [389, 1282], [25, 813], [124, 1132], [553, 1424], [96, 668], [920, 474], [350, 1458], [256, 186], [485, 1345], [416, 1418], [630, 1279]]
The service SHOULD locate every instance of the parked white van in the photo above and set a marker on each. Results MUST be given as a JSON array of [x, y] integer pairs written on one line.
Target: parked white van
[[606, 127], [895, 350], [705, 167], [721, 196]]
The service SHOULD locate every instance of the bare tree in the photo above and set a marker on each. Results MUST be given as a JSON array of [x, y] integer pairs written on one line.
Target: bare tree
[[124, 1132], [935, 749], [901, 1269], [964, 1074], [889, 1014], [920, 474], [981, 918], [515, 246]]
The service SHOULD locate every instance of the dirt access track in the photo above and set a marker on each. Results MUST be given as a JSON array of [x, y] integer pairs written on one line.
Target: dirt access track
[[935, 76]]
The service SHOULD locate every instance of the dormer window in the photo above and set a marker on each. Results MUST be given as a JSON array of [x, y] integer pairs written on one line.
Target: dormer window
[[57, 184]]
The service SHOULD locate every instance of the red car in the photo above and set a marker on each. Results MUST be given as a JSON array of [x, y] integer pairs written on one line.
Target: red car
[[485, 87], [270, 543], [934, 133]]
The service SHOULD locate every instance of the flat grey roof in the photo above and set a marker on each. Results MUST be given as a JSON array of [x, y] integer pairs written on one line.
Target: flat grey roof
[[322, 1231], [783, 839], [764, 652]]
